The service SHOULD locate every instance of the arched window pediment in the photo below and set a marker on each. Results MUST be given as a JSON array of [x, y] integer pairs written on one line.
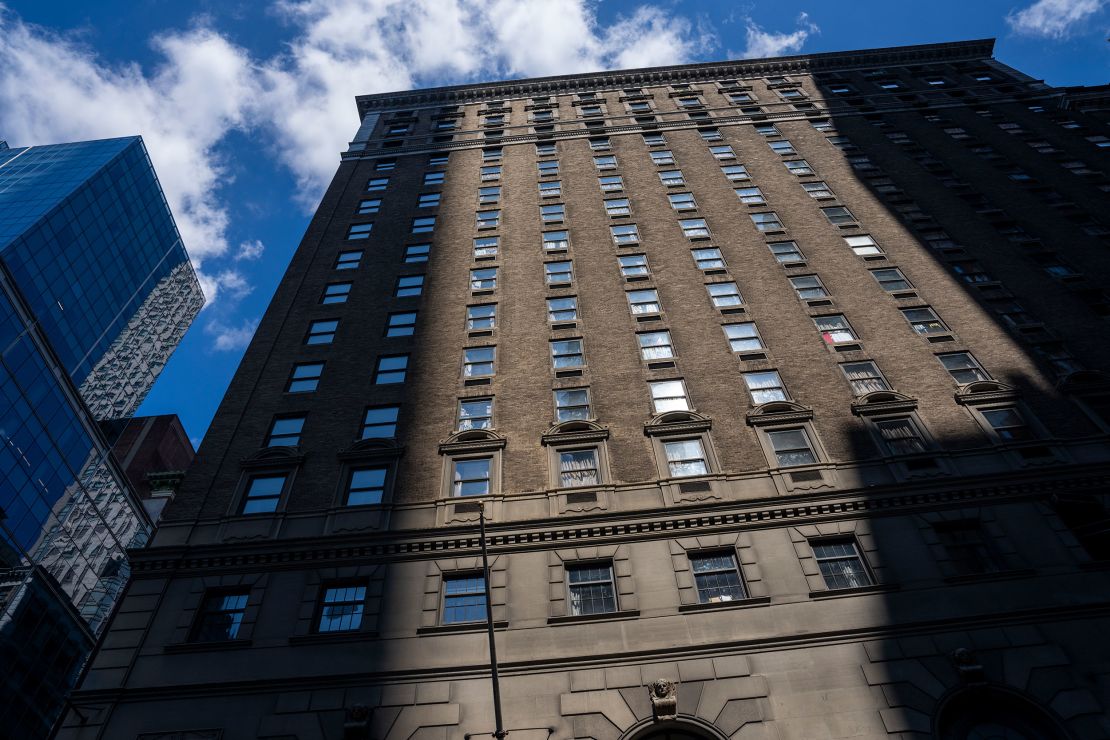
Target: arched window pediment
[[884, 402], [281, 456], [472, 440], [986, 391], [678, 422], [375, 447], [573, 432], [779, 412]]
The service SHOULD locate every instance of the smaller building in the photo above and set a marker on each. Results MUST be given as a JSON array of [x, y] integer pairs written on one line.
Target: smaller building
[[154, 452]]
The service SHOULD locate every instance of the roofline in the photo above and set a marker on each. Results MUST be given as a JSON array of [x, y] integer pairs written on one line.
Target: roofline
[[561, 84]]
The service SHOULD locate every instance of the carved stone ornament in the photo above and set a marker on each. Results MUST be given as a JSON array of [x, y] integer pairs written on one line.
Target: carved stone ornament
[[969, 667], [664, 699], [356, 725]]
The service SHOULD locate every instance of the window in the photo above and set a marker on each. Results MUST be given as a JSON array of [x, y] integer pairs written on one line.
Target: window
[[553, 213], [668, 395], [766, 129], [765, 386], [685, 457], [863, 246], [437, 160], [369, 206], [808, 287], [423, 225], [555, 241], [494, 120], [743, 337], [600, 143], [567, 353], [391, 369], [341, 608], [385, 165], [924, 320], [791, 447], [655, 140], [474, 413], [891, 279], [739, 97], [967, 548], [591, 589], [401, 324], [840, 563], [321, 332], [724, 295], [551, 189], [444, 125], [791, 93], [427, 200], [335, 293], [633, 265], [548, 167], [543, 115], [864, 377], [671, 178], [417, 253], [639, 106], [305, 377], [736, 173], [348, 260], [655, 345], [285, 431], [722, 152], [818, 190], [783, 147], [545, 149], [608, 162], [483, 279], [478, 361], [464, 598], [263, 494], [472, 477], [834, 329], [491, 154], [377, 183], [366, 486], [488, 219], [380, 422], [221, 616], [558, 273], [409, 285], [579, 468], [786, 252], [562, 309], [823, 125], [710, 134], [662, 157], [1008, 424], [751, 196], [485, 247], [963, 367], [768, 221], [717, 577], [901, 436], [708, 259], [490, 173], [644, 301], [682, 201], [618, 207], [572, 404], [625, 234], [611, 183], [694, 228], [839, 215], [489, 194], [481, 317]]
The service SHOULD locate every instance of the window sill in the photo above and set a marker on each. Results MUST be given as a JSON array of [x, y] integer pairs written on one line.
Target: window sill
[[325, 637], [206, 646], [996, 575], [839, 592], [583, 618], [465, 627], [738, 604]]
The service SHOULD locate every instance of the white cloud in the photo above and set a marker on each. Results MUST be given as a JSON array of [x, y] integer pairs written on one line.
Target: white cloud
[[250, 250], [1054, 19], [230, 338], [762, 43]]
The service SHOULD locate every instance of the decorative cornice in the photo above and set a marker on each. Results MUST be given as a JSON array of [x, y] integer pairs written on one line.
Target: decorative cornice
[[986, 391], [884, 402], [555, 438], [472, 440], [271, 456], [778, 412], [372, 448]]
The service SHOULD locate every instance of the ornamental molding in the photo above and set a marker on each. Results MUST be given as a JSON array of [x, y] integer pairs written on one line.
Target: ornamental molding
[[777, 413], [372, 448], [884, 402], [986, 392], [574, 432], [472, 440], [672, 423], [271, 456]]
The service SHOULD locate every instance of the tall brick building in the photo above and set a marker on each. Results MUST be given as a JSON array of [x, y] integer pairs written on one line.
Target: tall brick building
[[782, 382]]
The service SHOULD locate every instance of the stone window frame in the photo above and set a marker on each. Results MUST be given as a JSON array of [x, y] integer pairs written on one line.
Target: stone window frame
[[269, 461], [741, 545], [569, 436], [680, 426], [780, 416], [990, 395], [200, 588], [628, 604], [468, 445], [367, 453], [857, 529], [308, 611], [999, 540], [431, 609]]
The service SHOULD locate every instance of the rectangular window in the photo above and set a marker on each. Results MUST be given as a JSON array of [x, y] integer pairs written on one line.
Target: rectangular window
[[717, 577], [555, 241], [766, 129], [818, 190], [553, 213], [491, 173], [423, 225], [668, 395], [924, 320], [464, 598], [567, 353], [724, 295], [263, 494], [768, 221], [633, 265], [221, 616], [590, 589], [618, 207], [321, 332], [372, 205], [839, 215], [841, 564], [607, 162], [685, 458], [662, 157], [474, 413], [611, 183], [736, 173], [644, 301], [285, 431], [380, 422], [366, 486], [783, 147], [348, 260], [694, 228], [655, 345], [417, 253], [487, 219], [478, 361], [671, 178], [572, 404], [765, 386], [427, 200], [472, 477], [491, 154], [739, 97], [377, 183], [682, 201], [834, 329], [901, 436], [710, 134], [558, 273], [562, 309], [437, 160], [485, 247], [808, 287], [335, 293], [305, 377], [409, 285], [544, 115], [548, 167], [551, 189], [625, 234], [791, 447], [863, 246], [1008, 424], [891, 279], [864, 377], [391, 369], [600, 144], [401, 324], [709, 258], [963, 367], [743, 337], [341, 608], [481, 317], [655, 140], [786, 252], [434, 178], [483, 279], [968, 549], [385, 165], [489, 194], [751, 196], [546, 149], [722, 152], [579, 468]]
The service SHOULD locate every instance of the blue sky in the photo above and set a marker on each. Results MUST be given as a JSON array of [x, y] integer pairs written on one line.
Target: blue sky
[[245, 106]]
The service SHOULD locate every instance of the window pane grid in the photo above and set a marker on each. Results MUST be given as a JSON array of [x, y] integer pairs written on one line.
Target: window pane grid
[[341, 609], [591, 590], [840, 564], [717, 578], [464, 599]]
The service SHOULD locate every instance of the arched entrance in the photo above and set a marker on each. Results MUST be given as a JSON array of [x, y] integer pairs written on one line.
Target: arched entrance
[[993, 714], [677, 729]]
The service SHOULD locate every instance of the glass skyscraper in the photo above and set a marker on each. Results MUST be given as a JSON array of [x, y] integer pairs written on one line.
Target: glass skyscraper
[[96, 291]]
